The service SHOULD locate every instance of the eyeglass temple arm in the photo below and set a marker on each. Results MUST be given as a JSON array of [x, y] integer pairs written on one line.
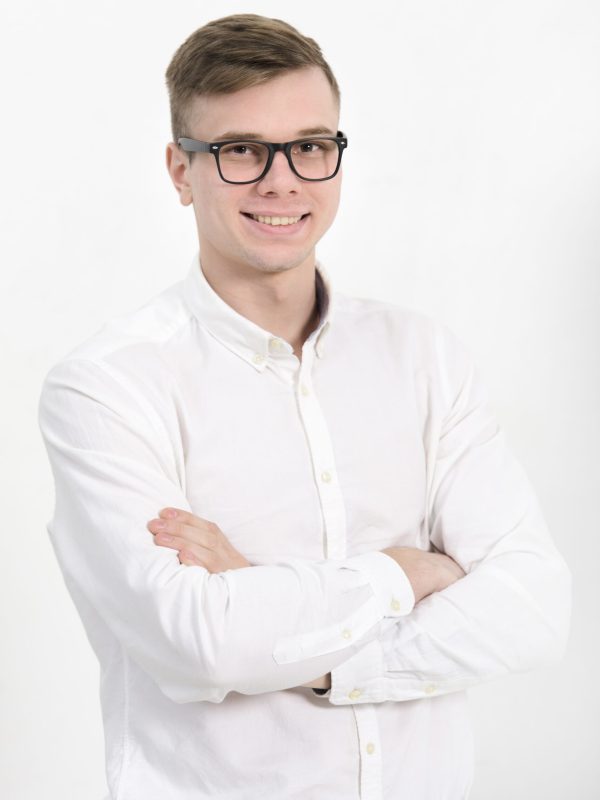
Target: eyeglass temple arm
[[194, 146]]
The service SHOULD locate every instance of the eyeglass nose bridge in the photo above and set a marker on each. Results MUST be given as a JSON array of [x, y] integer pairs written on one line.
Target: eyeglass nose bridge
[[286, 149]]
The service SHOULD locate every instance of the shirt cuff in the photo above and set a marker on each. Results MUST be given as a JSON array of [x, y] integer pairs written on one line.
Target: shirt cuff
[[388, 580], [391, 597]]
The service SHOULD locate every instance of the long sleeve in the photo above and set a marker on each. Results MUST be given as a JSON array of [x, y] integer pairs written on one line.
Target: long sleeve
[[198, 635], [511, 611]]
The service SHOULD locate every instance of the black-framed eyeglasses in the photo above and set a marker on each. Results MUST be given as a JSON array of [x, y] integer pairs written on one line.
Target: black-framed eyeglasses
[[316, 158]]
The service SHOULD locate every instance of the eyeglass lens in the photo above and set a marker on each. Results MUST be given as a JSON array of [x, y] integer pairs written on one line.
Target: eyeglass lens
[[245, 161]]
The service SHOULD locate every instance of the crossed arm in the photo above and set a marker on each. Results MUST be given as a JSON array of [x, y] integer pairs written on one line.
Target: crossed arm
[[497, 602], [202, 543]]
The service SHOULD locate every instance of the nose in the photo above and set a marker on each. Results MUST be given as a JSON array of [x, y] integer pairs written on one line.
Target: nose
[[280, 179]]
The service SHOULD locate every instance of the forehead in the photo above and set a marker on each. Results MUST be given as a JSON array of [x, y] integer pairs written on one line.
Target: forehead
[[277, 109]]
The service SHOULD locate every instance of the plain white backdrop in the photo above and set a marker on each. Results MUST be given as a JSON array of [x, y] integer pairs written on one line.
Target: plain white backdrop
[[471, 192]]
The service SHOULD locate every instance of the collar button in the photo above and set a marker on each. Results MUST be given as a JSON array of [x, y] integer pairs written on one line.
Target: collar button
[[276, 345]]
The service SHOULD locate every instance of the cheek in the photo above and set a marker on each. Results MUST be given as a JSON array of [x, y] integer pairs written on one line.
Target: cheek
[[212, 209], [223, 204], [332, 199]]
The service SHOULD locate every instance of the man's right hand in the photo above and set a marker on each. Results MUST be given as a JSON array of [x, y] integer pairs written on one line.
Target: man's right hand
[[427, 572]]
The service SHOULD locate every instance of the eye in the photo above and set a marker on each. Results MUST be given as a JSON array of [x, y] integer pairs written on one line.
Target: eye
[[240, 150], [314, 147], [310, 147]]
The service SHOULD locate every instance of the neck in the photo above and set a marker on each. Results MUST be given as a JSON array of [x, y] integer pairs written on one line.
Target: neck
[[283, 303]]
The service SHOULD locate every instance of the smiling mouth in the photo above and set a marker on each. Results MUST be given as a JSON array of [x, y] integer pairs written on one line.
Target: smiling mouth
[[275, 220]]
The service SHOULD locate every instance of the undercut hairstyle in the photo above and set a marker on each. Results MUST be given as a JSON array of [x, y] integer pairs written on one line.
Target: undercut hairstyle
[[234, 53]]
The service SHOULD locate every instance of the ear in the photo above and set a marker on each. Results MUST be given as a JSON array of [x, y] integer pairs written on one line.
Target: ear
[[178, 167]]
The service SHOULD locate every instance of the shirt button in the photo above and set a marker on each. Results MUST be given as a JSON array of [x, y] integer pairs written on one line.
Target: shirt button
[[304, 390], [354, 694], [257, 358], [395, 605], [326, 476], [429, 688], [276, 345], [370, 748], [346, 633]]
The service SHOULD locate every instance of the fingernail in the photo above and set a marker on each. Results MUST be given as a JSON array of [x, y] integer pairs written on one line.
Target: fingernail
[[170, 513]]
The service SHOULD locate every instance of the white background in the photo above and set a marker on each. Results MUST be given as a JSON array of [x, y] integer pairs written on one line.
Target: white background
[[471, 192]]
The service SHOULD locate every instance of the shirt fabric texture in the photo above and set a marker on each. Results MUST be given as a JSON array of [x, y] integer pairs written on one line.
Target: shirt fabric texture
[[381, 435]]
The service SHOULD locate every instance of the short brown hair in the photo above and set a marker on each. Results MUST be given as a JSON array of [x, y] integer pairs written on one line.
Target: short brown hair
[[233, 53]]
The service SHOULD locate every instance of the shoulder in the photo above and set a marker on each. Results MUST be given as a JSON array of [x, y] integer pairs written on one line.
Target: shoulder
[[131, 351], [149, 328], [397, 323], [151, 325], [401, 334], [371, 309]]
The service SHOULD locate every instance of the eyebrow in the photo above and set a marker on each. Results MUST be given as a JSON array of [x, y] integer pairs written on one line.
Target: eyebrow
[[318, 131]]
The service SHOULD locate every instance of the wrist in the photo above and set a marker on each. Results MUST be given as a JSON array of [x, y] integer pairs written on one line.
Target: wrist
[[419, 567]]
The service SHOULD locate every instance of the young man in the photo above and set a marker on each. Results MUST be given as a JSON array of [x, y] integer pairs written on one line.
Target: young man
[[343, 542]]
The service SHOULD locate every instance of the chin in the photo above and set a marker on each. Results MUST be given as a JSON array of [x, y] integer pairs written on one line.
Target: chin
[[273, 263]]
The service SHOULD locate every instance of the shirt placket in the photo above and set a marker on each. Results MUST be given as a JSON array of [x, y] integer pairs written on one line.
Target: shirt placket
[[323, 461], [335, 546], [371, 783]]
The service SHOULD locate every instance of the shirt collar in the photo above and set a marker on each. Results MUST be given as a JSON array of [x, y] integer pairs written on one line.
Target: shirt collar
[[239, 334]]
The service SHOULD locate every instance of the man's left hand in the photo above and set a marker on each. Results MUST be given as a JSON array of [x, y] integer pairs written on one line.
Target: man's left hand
[[198, 541]]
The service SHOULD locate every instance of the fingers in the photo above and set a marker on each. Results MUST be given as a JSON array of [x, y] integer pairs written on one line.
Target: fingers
[[203, 533], [186, 517], [189, 560], [177, 543], [195, 543], [194, 553], [190, 553], [197, 540]]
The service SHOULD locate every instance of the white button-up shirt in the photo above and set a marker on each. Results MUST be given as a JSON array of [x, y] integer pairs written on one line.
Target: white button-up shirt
[[380, 435]]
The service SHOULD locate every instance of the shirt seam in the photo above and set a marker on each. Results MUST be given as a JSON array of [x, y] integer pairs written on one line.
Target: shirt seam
[[170, 329]]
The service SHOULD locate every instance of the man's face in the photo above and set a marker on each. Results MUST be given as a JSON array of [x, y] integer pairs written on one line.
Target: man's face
[[280, 110]]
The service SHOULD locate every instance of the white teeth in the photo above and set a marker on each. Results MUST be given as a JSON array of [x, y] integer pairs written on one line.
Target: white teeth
[[276, 220]]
